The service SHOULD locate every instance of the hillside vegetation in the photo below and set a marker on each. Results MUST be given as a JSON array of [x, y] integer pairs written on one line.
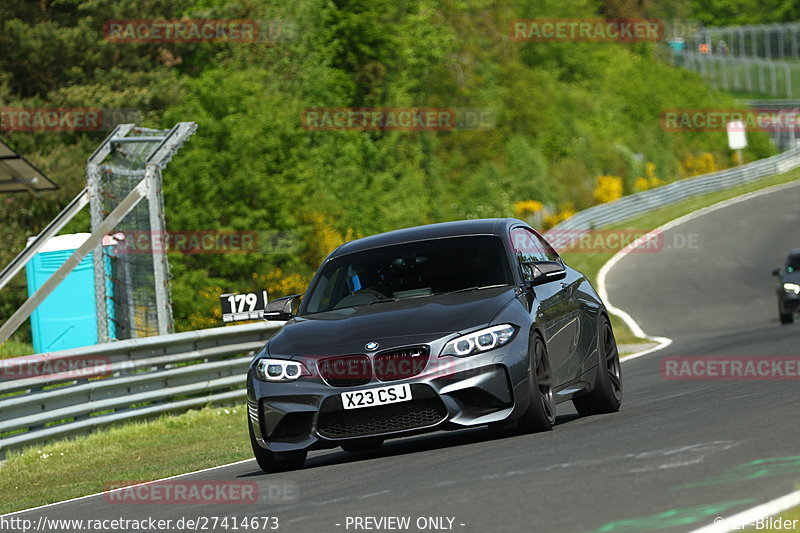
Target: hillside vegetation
[[574, 123]]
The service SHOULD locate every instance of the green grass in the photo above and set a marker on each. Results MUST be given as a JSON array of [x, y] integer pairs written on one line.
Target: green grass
[[12, 348], [791, 514], [139, 451], [590, 263]]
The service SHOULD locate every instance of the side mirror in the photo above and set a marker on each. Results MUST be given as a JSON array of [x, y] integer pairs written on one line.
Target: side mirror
[[545, 272], [776, 272], [283, 308]]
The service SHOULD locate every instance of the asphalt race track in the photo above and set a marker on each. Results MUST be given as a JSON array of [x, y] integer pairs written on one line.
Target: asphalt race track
[[677, 455]]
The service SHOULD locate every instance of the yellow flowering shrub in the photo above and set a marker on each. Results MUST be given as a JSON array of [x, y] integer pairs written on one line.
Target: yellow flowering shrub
[[526, 208], [558, 216], [607, 189], [322, 239], [649, 180], [211, 317], [278, 283], [695, 165]]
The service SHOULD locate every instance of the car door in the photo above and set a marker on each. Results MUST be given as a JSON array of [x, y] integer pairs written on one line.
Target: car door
[[557, 310]]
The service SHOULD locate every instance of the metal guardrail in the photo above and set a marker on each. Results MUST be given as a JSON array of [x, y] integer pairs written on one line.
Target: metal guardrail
[[631, 206], [50, 396]]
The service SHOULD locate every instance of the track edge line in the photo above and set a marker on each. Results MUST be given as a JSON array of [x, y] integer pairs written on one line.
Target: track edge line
[[663, 342], [749, 516]]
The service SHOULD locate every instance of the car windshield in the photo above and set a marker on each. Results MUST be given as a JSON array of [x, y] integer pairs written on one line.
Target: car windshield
[[793, 263], [410, 270]]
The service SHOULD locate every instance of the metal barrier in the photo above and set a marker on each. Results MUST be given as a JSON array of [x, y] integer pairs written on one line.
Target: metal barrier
[[778, 79], [768, 41], [50, 396], [631, 206]]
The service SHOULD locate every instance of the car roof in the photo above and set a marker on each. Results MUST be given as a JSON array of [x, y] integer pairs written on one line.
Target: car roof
[[484, 226], [795, 252]]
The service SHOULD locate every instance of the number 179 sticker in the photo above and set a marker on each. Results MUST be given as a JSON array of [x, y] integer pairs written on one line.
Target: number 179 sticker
[[243, 306]]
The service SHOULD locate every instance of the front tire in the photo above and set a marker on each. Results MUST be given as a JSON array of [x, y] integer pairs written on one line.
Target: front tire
[[606, 394], [270, 461], [786, 318], [541, 412]]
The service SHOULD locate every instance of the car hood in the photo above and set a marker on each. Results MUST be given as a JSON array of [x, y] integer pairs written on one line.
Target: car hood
[[391, 324], [791, 277]]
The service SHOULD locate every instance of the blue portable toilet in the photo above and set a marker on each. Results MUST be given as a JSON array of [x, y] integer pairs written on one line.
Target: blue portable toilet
[[67, 318], [677, 44]]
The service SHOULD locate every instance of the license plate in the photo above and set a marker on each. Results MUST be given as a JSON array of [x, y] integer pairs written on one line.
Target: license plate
[[380, 396]]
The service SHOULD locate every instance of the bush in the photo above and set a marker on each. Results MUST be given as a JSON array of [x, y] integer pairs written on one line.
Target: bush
[[607, 189]]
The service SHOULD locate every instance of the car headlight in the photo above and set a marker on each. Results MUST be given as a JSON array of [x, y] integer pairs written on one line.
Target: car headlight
[[280, 370], [480, 341], [791, 287]]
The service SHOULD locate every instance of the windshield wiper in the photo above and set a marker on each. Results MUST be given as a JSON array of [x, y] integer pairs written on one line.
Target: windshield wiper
[[382, 300], [473, 288], [465, 289]]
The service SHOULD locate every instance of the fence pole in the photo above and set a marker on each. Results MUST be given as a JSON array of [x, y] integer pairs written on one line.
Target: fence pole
[[767, 47]]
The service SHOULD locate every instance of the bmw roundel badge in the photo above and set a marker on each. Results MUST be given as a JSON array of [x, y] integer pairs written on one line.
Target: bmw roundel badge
[[372, 346]]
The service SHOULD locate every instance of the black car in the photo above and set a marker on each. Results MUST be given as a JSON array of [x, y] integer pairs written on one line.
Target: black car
[[789, 287], [444, 326]]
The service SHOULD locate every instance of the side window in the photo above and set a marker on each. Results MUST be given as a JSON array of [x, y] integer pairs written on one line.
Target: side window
[[330, 289], [793, 263], [549, 252], [529, 246], [526, 245]]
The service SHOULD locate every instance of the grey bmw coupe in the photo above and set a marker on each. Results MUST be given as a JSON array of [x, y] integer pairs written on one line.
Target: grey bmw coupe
[[445, 326]]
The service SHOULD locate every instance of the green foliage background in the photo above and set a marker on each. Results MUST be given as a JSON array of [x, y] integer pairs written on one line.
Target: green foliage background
[[565, 114]]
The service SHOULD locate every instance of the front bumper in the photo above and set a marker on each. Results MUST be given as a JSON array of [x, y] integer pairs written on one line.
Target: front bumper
[[449, 393]]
